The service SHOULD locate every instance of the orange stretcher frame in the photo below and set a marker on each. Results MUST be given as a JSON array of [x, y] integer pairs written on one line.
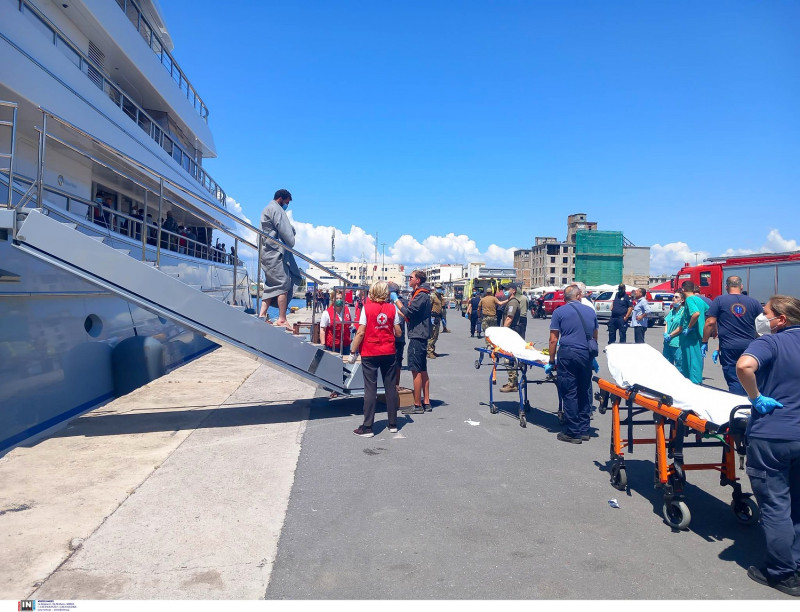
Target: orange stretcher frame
[[672, 426]]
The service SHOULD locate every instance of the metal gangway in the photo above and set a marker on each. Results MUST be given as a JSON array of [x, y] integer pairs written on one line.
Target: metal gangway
[[41, 234]]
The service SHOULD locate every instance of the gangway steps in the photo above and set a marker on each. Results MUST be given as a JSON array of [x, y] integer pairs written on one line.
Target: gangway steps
[[142, 284]]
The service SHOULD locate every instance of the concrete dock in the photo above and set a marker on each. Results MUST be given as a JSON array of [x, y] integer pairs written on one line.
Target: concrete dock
[[230, 480]]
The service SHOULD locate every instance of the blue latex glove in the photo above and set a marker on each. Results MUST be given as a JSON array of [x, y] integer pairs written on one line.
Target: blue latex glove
[[704, 349], [393, 296], [667, 337], [685, 332], [765, 405], [715, 356], [595, 366], [548, 368]]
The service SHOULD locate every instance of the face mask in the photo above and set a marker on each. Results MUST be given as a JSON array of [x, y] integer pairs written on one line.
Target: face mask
[[505, 293], [762, 325], [338, 303]]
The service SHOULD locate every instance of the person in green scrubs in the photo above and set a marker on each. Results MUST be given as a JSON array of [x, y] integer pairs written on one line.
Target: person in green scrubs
[[672, 322], [692, 323]]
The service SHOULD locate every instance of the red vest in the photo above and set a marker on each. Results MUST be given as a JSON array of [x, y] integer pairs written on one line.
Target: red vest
[[337, 323], [379, 332]]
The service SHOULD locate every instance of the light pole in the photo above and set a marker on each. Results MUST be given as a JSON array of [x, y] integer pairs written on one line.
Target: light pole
[[383, 260]]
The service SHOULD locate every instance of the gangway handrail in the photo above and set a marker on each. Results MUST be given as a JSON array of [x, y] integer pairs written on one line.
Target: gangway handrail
[[181, 188]]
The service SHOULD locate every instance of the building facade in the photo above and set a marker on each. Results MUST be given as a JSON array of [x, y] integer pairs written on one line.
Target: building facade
[[552, 262], [443, 273], [522, 268], [358, 273]]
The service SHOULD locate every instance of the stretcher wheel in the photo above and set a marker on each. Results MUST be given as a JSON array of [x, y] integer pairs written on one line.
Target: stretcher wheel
[[523, 422], [492, 408], [619, 477], [677, 514], [746, 510], [477, 365]]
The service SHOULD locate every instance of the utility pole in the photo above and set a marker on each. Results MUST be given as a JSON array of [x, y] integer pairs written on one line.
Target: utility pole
[[383, 260], [333, 243]]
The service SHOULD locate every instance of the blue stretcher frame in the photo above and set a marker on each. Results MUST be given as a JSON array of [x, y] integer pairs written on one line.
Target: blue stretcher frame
[[504, 363]]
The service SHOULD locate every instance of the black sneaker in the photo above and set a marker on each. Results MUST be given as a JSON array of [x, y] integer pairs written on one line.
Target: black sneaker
[[427, 408], [565, 438], [392, 427], [412, 410], [364, 432], [789, 585]]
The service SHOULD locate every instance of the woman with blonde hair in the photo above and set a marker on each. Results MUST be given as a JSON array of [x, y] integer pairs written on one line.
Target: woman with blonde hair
[[378, 326]]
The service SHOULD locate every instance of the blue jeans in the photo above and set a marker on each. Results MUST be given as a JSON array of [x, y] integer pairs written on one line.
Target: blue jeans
[[728, 359], [774, 470]]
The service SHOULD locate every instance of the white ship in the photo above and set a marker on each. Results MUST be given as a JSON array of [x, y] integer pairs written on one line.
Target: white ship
[[122, 113], [113, 264]]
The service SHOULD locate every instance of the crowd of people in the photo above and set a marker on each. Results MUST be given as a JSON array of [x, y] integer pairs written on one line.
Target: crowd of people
[[759, 352], [183, 239]]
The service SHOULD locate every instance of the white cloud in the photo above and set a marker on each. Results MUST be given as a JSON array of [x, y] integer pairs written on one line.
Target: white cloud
[[670, 257]]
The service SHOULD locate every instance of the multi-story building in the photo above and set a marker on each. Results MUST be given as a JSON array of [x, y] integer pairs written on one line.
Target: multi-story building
[[552, 262], [522, 267], [443, 273], [358, 273], [578, 222]]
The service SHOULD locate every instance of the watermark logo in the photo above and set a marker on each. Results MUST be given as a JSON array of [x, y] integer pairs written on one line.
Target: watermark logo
[[27, 604]]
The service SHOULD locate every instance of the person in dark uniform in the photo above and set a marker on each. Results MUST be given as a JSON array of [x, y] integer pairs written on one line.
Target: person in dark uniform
[[769, 372], [732, 319], [513, 313], [474, 314], [568, 332], [621, 310]]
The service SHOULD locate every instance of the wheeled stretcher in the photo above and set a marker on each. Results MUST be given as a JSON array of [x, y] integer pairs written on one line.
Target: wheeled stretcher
[[713, 417], [508, 351]]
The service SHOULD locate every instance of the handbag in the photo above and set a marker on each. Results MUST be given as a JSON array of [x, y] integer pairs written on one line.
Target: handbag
[[594, 350]]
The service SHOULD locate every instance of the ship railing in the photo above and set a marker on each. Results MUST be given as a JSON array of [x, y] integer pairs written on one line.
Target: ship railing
[[150, 181], [131, 109], [11, 125], [152, 40]]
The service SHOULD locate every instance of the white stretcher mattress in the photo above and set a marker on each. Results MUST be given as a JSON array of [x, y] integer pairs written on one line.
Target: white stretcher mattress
[[509, 341], [641, 364]]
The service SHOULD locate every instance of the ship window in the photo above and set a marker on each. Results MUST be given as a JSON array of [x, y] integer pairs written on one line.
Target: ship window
[[112, 92], [185, 162], [133, 15], [176, 153], [145, 31], [144, 123], [71, 54], [166, 144], [40, 25], [129, 108]]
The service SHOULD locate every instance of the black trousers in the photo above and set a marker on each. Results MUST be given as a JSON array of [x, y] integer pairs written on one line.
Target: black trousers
[[574, 384], [614, 324], [638, 334], [522, 326], [387, 364], [474, 324]]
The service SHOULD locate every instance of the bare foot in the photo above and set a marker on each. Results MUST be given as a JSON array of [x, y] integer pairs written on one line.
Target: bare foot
[[285, 324]]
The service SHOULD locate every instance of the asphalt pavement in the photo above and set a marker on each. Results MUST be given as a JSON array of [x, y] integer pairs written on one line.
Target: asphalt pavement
[[464, 504]]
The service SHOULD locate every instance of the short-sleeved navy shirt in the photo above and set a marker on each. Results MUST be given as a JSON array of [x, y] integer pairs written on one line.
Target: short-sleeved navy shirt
[[736, 320], [620, 305], [568, 323], [778, 377]]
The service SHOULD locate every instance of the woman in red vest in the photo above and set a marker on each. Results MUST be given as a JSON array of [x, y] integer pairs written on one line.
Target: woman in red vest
[[335, 324], [378, 326]]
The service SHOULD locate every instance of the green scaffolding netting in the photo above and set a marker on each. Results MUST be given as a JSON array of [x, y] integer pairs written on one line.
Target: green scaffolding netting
[[598, 257]]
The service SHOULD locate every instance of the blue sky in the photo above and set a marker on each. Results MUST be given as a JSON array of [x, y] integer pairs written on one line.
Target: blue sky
[[460, 130]]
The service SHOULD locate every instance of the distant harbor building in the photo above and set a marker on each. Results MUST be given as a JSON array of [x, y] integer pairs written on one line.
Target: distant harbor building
[[443, 273], [358, 273], [592, 256]]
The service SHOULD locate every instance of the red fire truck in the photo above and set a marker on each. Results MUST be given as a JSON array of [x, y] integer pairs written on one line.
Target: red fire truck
[[762, 275]]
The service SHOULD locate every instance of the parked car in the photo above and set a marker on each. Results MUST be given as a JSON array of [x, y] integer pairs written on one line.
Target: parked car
[[660, 303]]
